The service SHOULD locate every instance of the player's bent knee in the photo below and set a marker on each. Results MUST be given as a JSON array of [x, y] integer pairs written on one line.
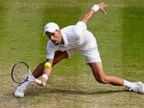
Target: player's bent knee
[[101, 80]]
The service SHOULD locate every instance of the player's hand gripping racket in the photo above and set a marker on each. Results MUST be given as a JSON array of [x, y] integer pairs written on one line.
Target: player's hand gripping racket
[[20, 72]]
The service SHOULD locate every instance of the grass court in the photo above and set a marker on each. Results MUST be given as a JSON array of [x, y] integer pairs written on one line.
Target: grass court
[[120, 37]]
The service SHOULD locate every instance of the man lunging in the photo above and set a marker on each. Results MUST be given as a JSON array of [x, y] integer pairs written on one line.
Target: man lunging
[[73, 39]]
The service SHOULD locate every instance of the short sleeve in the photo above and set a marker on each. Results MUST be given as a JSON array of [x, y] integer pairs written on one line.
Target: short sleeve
[[79, 28], [81, 25], [51, 48]]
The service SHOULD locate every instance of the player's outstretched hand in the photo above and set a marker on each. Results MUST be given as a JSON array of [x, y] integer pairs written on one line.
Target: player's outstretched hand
[[102, 7], [42, 82]]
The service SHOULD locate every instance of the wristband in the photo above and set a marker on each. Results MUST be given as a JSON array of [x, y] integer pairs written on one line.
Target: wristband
[[38, 81], [95, 7], [45, 76]]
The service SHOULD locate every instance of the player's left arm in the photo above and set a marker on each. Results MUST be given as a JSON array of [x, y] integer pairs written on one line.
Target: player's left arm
[[91, 12]]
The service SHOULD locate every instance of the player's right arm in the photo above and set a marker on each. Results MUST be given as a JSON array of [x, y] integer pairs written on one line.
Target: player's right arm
[[82, 25], [91, 12], [51, 49]]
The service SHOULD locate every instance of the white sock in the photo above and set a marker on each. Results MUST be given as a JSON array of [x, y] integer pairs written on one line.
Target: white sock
[[128, 84], [27, 83], [30, 76]]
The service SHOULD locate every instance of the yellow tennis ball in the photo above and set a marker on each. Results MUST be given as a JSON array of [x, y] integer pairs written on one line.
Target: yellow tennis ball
[[47, 65]]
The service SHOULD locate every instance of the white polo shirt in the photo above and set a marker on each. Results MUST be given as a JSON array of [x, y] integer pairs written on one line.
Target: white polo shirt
[[77, 39]]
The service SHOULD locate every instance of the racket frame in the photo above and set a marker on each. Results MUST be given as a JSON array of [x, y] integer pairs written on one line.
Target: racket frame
[[12, 72]]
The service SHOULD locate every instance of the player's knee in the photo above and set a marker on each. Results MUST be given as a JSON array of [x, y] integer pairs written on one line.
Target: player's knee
[[102, 80]]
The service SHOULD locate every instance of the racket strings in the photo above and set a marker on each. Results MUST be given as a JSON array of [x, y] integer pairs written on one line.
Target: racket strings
[[20, 73]]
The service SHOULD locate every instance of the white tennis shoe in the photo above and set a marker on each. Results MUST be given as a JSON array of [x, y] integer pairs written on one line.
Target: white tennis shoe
[[20, 91], [138, 87]]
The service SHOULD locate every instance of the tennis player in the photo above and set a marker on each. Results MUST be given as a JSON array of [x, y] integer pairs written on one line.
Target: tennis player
[[76, 39]]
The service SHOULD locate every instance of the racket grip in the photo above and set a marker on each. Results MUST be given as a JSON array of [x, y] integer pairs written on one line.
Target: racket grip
[[38, 81]]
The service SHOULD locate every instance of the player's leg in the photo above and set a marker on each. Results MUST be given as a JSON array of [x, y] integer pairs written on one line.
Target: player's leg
[[92, 56], [38, 72], [100, 76]]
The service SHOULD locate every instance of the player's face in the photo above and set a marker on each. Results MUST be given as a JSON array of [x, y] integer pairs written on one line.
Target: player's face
[[55, 37]]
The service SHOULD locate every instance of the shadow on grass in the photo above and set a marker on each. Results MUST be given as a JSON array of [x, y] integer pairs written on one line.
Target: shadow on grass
[[54, 90], [40, 91]]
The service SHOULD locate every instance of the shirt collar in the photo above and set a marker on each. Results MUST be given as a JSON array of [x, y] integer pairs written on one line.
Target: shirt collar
[[64, 38]]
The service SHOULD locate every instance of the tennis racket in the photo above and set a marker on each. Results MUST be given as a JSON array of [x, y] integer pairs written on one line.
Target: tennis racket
[[20, 72]]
